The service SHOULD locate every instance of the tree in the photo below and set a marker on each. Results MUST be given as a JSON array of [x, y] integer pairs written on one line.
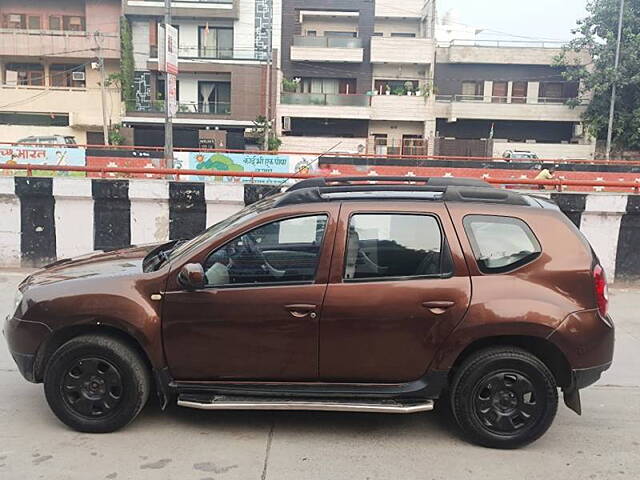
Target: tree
[[127, 65], [596, 35], [260, 127]]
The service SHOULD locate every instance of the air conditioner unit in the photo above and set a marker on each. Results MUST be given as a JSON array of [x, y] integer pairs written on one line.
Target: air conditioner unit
[[286, 124], [78, 76], [15, 18]]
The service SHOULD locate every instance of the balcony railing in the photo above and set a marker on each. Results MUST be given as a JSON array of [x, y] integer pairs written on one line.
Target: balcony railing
[[502, 44], [326, 99], [186, 108], [326, 42], [509, 100]]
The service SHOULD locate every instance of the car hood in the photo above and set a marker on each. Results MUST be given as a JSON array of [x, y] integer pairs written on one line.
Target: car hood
[[100, 264]]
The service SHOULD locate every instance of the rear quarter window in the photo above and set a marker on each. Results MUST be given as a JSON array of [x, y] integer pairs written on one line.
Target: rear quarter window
[[501, 244]]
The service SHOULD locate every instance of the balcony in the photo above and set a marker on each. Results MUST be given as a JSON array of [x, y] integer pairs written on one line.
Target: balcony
[[82, 105], [322, 105], [327, 49], [400, 107], [499, 52], [184, 8], [402, 50], [185, 109], [56, 44], [453, 107]]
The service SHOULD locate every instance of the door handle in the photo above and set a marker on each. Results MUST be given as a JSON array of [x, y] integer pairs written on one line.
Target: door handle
[[438, 307], [302, 311]]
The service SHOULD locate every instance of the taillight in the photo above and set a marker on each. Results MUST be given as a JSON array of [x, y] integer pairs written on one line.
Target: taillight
[[602, 290]]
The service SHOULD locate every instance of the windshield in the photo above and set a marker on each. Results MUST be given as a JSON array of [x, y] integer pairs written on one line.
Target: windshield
[[242, 216]]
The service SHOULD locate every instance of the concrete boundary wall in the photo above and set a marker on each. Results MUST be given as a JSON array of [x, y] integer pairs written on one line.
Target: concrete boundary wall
[[44, 219]]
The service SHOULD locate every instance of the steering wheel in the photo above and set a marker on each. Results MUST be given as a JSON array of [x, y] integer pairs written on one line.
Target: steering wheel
[[253, 248]]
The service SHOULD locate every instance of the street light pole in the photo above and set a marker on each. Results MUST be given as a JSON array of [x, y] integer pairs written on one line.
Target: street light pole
[[168, 121], [612, 108]]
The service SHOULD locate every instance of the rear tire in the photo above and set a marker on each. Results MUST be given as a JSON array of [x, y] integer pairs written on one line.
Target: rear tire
[[96, 384], [504, 397]]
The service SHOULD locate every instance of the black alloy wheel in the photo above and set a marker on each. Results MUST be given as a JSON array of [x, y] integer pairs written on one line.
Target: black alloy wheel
[[92, 387], [503, 397]]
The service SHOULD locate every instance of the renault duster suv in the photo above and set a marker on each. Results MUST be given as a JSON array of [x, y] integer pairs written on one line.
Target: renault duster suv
[[339, 294]]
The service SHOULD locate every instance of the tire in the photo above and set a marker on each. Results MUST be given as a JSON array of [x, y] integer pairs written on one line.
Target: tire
[[504, 397], [96, 384]]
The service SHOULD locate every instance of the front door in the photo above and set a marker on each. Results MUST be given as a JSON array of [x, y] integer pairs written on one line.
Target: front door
[[257, 318], [398, 287]]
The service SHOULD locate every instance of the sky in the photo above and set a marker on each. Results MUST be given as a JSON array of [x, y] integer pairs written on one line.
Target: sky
[[539, 19]]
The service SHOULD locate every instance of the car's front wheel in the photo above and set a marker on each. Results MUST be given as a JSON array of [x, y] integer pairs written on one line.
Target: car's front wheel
[[96, 384], [504, 397]]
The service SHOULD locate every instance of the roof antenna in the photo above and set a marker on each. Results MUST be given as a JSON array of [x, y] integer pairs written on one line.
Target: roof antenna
[[279, 187]]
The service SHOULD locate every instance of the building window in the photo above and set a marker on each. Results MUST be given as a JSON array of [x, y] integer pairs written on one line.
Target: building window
[[472, 91], [216, 42], [500, 92], [552, 92], [329, 86], [519, 92], [73, 23], [312, 33], [55, 22], [378, 34], [413, 145], [28, 74], [15, 20], [341, 34], [396, 87], [214, 97], [33, 22], [64, 75], [403, 35]]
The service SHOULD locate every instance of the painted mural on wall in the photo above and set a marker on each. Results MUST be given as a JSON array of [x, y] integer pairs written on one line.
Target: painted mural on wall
[[142, 88], [18, 154], [238, 162]]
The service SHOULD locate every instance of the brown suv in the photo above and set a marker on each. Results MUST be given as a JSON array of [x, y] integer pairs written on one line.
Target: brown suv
[[339, 294]]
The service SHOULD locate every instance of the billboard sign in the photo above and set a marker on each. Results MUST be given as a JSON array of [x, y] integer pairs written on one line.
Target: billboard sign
[[168, 49], [172, 98], [239, 162]]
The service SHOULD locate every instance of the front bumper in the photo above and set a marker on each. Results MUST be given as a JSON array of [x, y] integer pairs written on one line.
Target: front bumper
[[24, 338]]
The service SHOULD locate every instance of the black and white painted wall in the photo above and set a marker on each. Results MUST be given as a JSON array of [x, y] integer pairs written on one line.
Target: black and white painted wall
[[44, 219]]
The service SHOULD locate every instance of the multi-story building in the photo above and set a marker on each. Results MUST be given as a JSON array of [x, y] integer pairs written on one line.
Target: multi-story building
[[357, 75], [49, 80], [494, 96], [367, 76], [221, 85]]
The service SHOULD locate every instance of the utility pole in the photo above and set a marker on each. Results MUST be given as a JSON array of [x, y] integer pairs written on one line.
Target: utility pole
[[168, 121], [103, 88], [267, 128], [613, 89]]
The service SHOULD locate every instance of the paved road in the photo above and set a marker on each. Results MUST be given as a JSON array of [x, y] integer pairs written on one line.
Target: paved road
[[186, 444]]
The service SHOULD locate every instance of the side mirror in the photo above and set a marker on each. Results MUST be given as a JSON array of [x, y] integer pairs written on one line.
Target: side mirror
[[191, 276]]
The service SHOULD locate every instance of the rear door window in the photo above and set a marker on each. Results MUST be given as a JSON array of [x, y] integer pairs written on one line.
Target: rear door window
[[395, 246], [501, 244]]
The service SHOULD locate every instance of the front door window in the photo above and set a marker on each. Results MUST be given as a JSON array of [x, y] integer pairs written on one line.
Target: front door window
[[277, 253]]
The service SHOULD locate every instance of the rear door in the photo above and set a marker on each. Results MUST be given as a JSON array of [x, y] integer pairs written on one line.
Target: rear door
[[398, 286]]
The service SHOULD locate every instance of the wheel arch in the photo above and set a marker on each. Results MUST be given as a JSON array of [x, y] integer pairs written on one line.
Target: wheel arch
[[542, 348], [60, 336]]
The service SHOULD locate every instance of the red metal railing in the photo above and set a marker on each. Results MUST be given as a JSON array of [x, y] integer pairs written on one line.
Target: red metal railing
[[558, 184], [329, 154]]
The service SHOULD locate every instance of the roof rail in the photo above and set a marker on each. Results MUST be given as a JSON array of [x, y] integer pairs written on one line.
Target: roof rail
[[445, 189], [328, 182]]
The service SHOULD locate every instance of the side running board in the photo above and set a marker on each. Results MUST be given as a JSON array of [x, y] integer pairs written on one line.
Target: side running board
[[203, 402]]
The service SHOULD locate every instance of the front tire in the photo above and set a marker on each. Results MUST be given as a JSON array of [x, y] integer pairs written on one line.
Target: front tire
[[504, 397], [96, 384]]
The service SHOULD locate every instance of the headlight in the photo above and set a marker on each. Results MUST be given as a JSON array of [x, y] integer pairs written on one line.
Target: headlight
[[17, 300]]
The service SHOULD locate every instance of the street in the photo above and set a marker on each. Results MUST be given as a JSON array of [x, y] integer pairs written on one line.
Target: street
[[187, 444]]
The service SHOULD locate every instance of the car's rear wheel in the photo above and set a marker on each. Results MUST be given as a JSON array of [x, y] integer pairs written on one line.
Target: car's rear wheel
[[96, 384], [504, 397]]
